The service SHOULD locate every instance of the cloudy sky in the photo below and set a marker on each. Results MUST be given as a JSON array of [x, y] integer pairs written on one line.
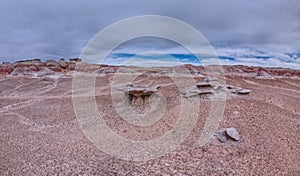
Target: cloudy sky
[[251, 32]]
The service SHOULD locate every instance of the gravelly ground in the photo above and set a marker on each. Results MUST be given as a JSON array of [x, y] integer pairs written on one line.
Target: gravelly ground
[[40, 135]]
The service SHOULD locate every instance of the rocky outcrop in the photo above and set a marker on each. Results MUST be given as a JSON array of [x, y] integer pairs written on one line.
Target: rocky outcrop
[[34, 66], [197, 71], [259, 72], [6, 68], [45, 72], [22, 71]]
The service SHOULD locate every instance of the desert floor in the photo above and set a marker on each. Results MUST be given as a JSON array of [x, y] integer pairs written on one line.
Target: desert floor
[[40, 134]]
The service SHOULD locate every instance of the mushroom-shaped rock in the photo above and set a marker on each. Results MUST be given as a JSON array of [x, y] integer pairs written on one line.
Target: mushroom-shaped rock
[[137, 93], [142, 90]]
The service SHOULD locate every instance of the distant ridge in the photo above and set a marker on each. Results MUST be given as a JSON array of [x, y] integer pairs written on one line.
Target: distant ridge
[[75, 64]]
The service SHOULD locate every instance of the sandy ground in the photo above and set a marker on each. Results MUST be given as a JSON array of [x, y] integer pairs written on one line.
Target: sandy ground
[[40, 135]]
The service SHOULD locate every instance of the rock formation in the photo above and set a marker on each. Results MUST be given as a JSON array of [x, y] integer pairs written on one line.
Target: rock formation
[[34, 66], [61, 65], [210, 86], [138, 94]]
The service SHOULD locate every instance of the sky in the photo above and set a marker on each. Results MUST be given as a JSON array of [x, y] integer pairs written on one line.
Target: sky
[[265, 33]]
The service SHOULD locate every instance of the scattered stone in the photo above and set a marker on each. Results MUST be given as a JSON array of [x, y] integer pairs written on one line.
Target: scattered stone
[[244, 91], [210, 79], [230, 87], [238, 90], [221, 136], [233, 133]]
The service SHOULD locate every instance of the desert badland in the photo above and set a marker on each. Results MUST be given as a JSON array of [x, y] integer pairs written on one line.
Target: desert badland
[[40, 134]]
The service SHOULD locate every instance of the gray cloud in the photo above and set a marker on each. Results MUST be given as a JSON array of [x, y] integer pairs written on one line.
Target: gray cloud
[[55, 29]]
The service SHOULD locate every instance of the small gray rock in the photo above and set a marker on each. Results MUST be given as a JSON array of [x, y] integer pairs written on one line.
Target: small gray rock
[[221, 136], [210, 79], [244, 91], [233, 133]]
